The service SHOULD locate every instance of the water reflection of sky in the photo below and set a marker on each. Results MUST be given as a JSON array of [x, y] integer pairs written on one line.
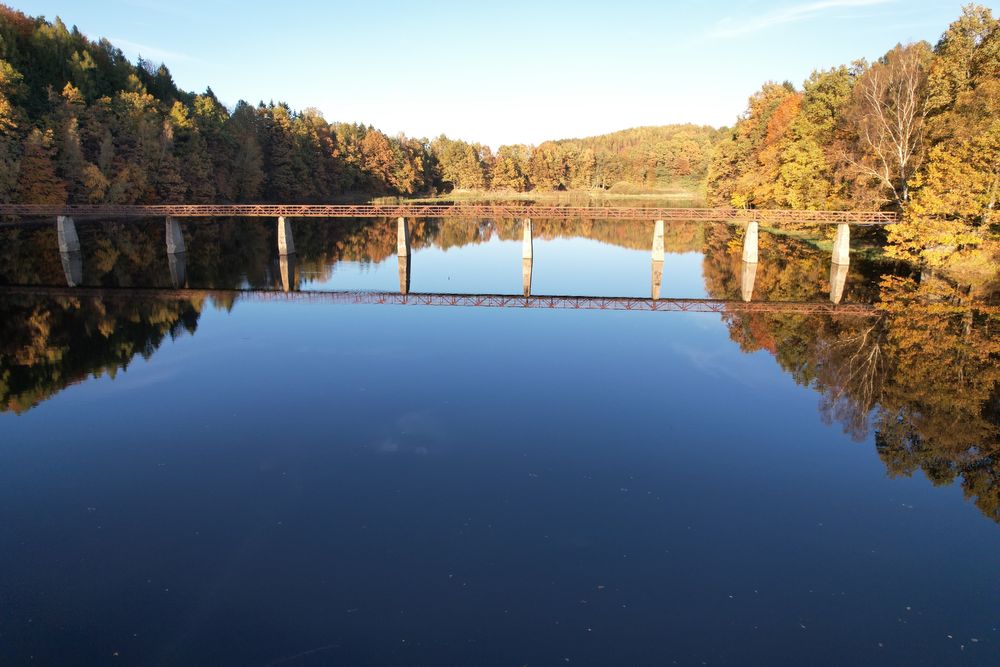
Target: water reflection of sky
[[421, 485], [561, 266]]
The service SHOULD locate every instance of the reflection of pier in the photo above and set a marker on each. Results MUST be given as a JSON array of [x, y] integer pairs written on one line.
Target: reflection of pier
[[840, 261], [463, 300], [69, 248]]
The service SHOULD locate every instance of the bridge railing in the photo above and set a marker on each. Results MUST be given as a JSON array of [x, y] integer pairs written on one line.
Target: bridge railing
[[461, 211]]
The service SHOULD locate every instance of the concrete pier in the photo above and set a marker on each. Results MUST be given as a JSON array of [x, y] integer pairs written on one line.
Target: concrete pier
[[657, 276], [658, 241], [404, 273], [66, 229], [526, 276], [750, 242], [842, 244], [72, 263], [527, 244], [747, 278], [838, 279], [175, 238], [286, 243], [178, 269], [402, 238]]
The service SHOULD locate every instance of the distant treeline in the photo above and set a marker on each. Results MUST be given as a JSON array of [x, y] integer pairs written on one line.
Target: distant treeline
[[80, 123], [918, 131]]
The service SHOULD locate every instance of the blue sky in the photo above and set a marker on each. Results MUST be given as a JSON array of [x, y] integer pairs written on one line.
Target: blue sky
[[502, 72]]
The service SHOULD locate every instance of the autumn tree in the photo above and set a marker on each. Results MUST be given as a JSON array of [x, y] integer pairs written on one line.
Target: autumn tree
[[508, 170], [11, 124], [957, 192], [888, 114], [37, 181]]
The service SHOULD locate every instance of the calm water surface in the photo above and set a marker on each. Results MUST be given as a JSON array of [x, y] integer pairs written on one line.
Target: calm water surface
[[225, 480]]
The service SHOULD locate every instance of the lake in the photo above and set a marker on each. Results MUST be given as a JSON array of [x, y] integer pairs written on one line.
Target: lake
[[204, 462]]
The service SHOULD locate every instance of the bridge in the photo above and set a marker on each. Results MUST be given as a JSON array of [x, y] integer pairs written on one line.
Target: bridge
[[459, 211], [69, 241]]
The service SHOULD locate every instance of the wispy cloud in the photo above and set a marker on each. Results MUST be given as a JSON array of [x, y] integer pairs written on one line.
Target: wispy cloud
[[150, 52], [732, 27]]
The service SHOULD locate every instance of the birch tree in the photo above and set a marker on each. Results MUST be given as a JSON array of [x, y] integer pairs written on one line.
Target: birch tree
[[889, 112]]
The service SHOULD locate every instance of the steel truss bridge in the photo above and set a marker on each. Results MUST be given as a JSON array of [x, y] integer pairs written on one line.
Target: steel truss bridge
[[459, 211], [440, 299]]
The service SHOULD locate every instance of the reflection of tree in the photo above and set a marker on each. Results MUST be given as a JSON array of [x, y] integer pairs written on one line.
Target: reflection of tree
[[47, 345], [854, 375], [940, 412], [924, 375]]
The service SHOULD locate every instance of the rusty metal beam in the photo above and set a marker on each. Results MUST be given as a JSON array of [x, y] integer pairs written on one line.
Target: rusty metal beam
[[461, 211]]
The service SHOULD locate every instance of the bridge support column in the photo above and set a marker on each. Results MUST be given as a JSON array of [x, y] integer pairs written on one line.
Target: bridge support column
[[657, 274], [750, 242], [66, 230], [838, 279], [842, 244], [527, 246], [526, 276], [404, 274], [175, 237], [286, 244], [177, 261], [402, 238], [747, 278], [72, 263], [658, 242]]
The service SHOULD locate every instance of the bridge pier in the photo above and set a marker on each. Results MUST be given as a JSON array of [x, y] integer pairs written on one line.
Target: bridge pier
[[657, 275], [178, 268], [66, 230], [526, 276], [402, 238], [404, 273], [747, 278], [842, 244], [658, 241], [838, 279], [72, 263], [527, 245], [175, 237], [750, 242], [286, 243]]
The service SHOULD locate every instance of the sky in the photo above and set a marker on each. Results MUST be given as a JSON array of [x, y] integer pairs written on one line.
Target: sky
[[502, 72]]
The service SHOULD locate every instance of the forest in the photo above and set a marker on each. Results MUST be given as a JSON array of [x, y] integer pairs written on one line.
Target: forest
[[917, 131], [80, 123]]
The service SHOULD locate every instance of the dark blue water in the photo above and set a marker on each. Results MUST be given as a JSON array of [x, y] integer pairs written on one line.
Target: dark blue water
[[305, 483]]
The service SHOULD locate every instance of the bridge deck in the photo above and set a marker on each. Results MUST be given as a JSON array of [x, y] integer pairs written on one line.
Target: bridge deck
[[461, 211]]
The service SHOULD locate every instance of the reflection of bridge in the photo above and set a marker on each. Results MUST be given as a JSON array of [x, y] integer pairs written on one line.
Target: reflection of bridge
[[464, 300], [69, 240], [69, 247], [463, 211]]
